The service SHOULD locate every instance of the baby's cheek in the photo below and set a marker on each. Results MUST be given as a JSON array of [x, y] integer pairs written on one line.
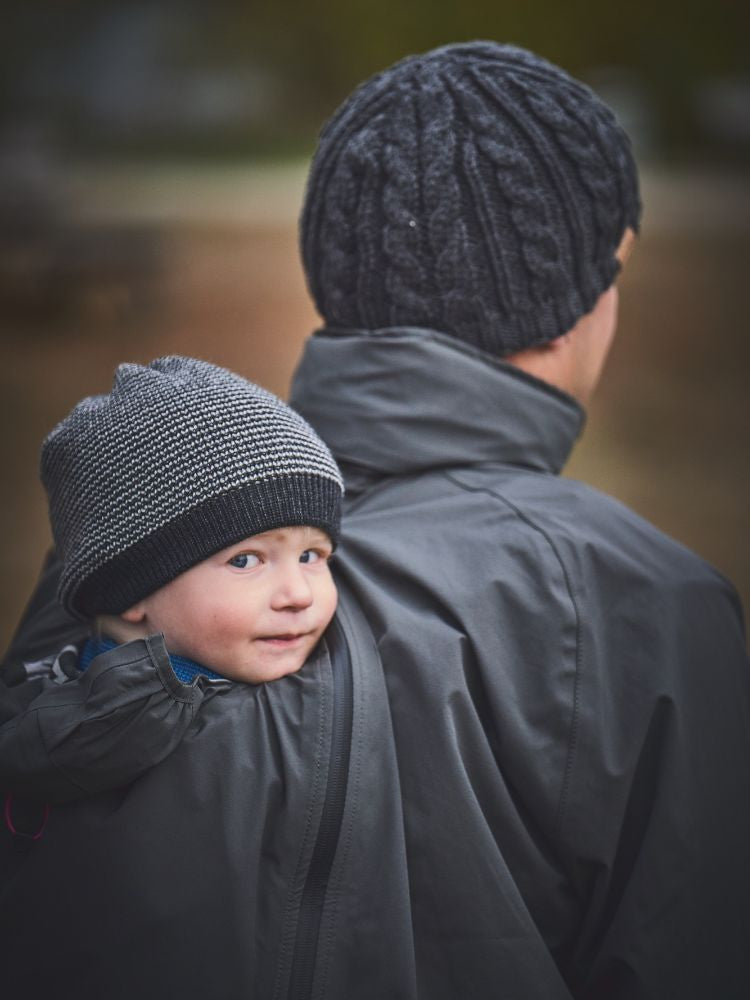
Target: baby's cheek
[[305, 654]]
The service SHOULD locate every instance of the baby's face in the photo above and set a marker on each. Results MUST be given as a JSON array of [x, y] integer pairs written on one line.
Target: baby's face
[[254, 611]]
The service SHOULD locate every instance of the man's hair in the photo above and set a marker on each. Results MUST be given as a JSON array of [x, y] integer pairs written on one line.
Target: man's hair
[[179, 460], [477, 190]]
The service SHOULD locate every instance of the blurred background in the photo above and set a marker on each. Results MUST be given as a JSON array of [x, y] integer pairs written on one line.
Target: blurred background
[[152, 164]]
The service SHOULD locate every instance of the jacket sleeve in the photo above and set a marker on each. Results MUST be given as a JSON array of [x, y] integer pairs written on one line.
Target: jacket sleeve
[[63, 741], [659, 812]]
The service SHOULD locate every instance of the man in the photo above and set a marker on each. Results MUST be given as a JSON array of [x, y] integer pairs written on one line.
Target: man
[[548, 796], [568, 687]]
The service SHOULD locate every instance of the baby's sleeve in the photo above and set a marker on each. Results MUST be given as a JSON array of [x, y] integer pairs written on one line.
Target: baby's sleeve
[[61, 741]]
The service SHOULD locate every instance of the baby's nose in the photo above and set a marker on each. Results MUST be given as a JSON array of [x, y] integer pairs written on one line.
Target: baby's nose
[[293, 590]]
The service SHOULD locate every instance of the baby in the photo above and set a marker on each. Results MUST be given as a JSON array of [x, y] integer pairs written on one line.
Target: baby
[[192, 503], [161, 820]]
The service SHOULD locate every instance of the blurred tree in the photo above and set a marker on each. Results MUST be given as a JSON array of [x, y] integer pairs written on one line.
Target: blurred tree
[[306, 57]]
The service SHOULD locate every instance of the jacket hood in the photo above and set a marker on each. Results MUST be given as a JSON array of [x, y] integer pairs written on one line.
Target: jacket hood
[[406, 400]]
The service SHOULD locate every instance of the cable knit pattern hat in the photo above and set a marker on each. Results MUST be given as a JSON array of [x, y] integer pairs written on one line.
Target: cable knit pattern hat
[[477, 190], [180, 459]]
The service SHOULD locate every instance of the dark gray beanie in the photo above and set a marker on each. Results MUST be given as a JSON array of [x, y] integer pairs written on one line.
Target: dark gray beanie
[[180, 459], [477, 190]]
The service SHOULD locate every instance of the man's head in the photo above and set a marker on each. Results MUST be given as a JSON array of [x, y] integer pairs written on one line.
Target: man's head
[[477, 190], [181, 468]]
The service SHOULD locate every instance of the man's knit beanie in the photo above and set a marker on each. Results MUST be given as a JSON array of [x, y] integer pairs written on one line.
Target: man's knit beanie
[[477, 190], [180, 460]]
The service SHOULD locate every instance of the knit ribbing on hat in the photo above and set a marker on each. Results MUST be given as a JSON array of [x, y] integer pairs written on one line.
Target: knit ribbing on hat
[[181, 459], [477, 190]]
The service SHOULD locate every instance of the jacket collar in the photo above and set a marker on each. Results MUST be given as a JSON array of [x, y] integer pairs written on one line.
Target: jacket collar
[[405, 400]]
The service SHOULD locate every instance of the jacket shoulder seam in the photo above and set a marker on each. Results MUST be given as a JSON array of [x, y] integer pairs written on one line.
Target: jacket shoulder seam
[[51, 759], [573, 735]]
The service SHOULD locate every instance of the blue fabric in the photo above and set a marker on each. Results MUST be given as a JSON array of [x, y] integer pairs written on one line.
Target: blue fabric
[[185, 670]]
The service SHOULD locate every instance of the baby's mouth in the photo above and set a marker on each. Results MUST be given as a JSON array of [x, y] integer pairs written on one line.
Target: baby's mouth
[[284, 640]]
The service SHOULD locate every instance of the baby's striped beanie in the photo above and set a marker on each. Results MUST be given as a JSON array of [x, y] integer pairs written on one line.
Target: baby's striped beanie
[[178, 461], [477, 190]]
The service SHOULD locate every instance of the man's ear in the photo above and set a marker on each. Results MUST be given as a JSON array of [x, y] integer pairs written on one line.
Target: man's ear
[[558, 344], [626, 245], [136, 614]]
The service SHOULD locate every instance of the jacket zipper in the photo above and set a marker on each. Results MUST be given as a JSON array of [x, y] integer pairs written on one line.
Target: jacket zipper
[[316, 882]]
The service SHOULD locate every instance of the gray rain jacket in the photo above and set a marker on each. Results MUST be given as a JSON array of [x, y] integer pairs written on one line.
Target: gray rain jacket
[[541, 794], [569, 688], [210, 840]]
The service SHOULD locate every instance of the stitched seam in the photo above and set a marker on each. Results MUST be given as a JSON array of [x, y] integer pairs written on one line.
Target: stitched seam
[[352, 789], [289, 927], [53, 762], [573, 736]]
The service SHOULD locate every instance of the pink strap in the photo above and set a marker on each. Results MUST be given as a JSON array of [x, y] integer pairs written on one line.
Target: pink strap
[[11, 827]]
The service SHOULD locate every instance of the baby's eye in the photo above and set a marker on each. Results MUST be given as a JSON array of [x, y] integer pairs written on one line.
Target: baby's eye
[[244, 560], [310, 556]]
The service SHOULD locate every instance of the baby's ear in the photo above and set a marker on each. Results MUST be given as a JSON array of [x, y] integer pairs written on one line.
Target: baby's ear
[[136, 614], [129, 625]]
